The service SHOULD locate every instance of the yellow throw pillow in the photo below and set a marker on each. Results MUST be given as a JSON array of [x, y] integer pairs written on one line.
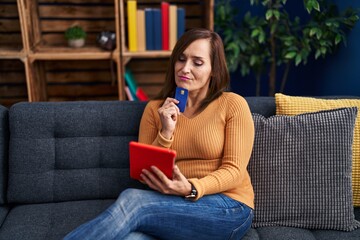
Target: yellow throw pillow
[[293, 105]]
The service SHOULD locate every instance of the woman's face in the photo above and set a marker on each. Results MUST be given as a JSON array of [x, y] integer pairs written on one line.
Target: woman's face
[[193, 67]]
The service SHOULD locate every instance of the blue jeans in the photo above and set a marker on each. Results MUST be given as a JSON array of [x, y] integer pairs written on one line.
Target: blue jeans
[[143, 214]]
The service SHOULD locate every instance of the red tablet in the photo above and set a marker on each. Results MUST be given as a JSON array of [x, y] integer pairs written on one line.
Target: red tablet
[[143, 156]]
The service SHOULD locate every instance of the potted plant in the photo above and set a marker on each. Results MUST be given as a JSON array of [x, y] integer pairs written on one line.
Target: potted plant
[[264, 43], [75, 36]]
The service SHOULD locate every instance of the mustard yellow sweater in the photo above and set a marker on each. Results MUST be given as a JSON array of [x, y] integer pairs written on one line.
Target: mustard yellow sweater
[[213, 148]]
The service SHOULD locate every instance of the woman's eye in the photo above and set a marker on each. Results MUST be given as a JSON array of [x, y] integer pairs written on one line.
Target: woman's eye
[[198, 63], [181, 58]]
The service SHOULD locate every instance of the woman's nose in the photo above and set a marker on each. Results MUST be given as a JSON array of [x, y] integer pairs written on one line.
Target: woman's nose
[[187, 66]]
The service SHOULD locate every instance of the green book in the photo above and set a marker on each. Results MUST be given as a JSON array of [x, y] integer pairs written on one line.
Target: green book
[[130, 81]]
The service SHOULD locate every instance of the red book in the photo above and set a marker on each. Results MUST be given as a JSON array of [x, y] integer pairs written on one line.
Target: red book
[[165, 25], [141, 95]]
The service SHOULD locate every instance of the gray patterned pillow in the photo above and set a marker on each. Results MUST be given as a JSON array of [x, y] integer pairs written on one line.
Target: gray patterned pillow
[[301, 170]]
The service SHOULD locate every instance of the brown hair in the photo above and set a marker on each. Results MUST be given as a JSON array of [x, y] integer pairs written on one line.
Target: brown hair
[[220, 78]]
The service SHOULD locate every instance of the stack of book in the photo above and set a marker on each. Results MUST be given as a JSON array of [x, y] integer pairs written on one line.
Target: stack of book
[[154, 28], [133, 92]]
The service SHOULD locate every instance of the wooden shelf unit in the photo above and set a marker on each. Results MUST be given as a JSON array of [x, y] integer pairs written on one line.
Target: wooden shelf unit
[[32, 35], [199, 13]]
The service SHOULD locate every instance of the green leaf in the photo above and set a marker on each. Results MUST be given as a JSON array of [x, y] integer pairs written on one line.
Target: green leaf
[[337, 39], [317, 54], [308, 5], [242, 45], [316, 5], [298, 59], [221, 11], [261, 38], [323, 50], [276, 13], [253, 60], [290, 55], [312, 4], [265, 2], [328, 24], [269, 14], [318, 33], [288, 43], [255, 32], [312, 32]]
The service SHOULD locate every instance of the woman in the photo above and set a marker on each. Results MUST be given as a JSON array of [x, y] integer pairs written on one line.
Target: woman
[[210, 195]]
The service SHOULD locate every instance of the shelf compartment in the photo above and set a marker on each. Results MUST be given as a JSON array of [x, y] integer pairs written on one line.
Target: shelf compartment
[[79, 80], [198, 13], [149, 74], [54, 17], [13, 86], [10, 30]]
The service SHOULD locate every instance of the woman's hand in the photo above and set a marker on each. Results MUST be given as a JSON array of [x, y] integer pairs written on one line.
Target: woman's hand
[[158, 181], [169, 113]]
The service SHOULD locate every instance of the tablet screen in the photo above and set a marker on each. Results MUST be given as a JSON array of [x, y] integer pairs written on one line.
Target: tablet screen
[[143, 156]]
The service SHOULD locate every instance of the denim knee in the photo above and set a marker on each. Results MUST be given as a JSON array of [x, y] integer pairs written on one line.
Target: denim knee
[[239, 232], [127, 200]]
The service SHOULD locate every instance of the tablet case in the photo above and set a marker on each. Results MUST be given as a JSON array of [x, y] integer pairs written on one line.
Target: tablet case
[[143, 156]]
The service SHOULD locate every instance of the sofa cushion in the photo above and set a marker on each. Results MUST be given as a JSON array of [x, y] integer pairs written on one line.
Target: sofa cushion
[[301, 170], [49, 221], [62, 151], [291, 105], [4, 145], [262, 105], [3, 213]]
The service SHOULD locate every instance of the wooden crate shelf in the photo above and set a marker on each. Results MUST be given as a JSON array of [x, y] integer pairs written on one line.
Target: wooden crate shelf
[[32, 38]]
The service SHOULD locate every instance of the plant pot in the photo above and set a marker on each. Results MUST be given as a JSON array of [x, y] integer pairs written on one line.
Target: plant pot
[[76, 43]]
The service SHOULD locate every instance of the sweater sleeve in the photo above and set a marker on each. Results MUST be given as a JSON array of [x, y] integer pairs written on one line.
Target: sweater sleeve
[[239, 138], [150, 126]]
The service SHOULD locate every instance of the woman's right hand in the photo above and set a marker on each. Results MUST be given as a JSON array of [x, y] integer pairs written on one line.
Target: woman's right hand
[[168, 113]]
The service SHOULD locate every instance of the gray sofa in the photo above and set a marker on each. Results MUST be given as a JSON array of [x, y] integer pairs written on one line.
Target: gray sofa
[[63, 163]]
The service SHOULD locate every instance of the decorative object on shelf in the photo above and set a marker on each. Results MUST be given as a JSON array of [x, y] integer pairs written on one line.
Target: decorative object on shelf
[[263, 44], [106, 40], [76, 36]]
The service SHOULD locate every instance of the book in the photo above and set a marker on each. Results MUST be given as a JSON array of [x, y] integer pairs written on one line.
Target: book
[[132, 90], [172, 26], [141, 36], [132, 28], [128, 94], [130, 81], [141, 95], [180, 22], [165, 25], [157, 29], [149, 29]]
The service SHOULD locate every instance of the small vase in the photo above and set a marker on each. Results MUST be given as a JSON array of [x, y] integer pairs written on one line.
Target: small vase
[[76, 43]]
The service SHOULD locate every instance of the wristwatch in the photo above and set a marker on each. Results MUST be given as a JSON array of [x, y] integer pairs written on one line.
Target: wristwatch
[[193, 193]]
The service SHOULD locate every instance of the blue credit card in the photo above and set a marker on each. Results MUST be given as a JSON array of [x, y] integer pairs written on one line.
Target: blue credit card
[[181, 94]]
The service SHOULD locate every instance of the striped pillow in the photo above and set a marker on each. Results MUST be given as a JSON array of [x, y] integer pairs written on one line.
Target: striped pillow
[[301, 170]]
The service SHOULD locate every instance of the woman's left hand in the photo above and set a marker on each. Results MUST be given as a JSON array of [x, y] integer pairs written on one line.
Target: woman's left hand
[[158, 181]]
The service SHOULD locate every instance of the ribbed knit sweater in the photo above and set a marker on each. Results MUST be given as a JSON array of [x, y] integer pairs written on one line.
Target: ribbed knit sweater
[[213, 147]]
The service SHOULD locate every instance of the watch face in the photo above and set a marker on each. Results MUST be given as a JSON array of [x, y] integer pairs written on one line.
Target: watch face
[[191, 196], [193, 192]]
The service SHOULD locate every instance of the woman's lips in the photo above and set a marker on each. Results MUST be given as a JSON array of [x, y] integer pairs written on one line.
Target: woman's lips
[[183, 78]]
